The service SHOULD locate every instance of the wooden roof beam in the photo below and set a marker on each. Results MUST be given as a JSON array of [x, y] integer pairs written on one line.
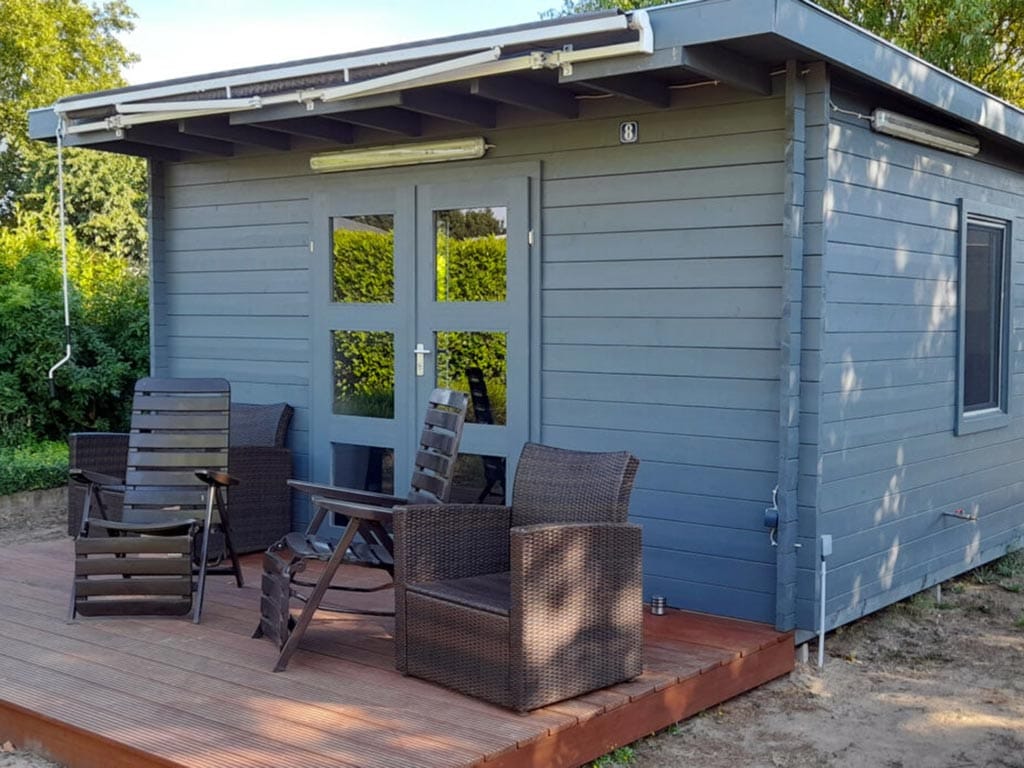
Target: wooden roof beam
[[169, 137], [452, 106], [385, 119], [520, 92], [710, 61], [635, 87], [716, 63], [219, 128], [313, 128]]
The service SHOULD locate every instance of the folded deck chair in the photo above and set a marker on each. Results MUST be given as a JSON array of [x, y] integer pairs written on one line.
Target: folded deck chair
[[369, 515], [156, 554]]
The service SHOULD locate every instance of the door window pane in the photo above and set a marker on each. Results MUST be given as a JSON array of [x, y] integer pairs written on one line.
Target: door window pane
[[364, 373], [363, 259], [478, 479], [474, 362], [470, 254], [363, 467], [983, 317]]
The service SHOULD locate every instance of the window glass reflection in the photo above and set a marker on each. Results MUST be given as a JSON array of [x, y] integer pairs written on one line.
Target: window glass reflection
[[470, 254], [363, 259]]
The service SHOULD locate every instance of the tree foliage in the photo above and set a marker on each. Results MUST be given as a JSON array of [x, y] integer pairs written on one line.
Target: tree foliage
[[50, 49], [110, 337], [980, 41]]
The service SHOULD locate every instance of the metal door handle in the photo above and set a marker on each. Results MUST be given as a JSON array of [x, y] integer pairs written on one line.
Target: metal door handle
[[420, 351]]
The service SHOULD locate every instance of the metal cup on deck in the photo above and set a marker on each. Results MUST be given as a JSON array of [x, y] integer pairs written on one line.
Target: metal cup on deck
[[657, 605]]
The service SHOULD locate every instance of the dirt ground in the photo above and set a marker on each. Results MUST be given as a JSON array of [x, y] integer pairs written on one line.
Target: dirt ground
[[919, 685]]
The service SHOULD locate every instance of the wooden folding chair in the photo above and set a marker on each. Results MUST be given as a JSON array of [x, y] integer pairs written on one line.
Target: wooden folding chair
[[369, 515], [157, 554]]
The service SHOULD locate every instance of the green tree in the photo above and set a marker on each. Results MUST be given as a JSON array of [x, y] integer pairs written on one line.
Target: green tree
[[980, 41], [50, 49]]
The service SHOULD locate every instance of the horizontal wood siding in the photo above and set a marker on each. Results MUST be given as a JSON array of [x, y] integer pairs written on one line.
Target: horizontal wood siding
[[236, 287], [890, 462], [661, 297], [660, 301]]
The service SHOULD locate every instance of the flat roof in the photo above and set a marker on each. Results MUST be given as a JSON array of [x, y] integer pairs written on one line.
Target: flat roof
[[542, 65]]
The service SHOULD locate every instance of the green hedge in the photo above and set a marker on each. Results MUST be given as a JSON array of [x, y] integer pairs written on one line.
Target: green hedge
[[467, 269], [43, 465]]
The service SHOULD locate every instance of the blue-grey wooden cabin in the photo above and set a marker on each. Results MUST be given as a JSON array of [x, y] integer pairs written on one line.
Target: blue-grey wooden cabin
[[716, 252]]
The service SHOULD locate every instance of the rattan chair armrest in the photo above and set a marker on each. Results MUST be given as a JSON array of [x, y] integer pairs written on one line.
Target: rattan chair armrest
[[215, 478], [586, 559], [88, 477], [449, 541]]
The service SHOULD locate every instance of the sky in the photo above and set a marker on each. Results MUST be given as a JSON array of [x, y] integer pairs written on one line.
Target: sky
[[188, 37]]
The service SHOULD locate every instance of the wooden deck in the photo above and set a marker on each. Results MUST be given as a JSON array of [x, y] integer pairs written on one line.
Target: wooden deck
[[162, 692]]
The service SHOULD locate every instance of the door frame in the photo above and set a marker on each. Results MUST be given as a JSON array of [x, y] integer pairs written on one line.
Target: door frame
[[365, 189]]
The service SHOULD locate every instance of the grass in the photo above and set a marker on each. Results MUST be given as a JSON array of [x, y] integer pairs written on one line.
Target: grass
[[1006, 569], [619, 758]]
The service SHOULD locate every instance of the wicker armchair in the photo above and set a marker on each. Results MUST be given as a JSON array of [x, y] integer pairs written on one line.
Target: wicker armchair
[[257, 457], [525, 605]]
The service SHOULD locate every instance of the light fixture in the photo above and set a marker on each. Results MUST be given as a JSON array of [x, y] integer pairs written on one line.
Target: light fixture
[[903, 127], [399, 154]]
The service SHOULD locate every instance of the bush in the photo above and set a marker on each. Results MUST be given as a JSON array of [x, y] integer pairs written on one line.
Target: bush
[[110, 338], [41, 465]]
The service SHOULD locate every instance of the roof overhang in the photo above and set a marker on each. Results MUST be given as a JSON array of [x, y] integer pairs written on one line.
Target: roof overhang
[[543, 68]]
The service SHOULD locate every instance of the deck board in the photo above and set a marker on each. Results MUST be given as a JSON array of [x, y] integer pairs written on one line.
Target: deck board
[[160, 691]]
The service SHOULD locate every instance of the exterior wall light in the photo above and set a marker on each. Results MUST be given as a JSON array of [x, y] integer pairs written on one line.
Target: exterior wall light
[[399, 154], [903, 127]]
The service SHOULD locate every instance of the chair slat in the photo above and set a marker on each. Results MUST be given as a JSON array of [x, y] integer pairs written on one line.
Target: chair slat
[[434, 485], [137, 585], [164, 497], [176, 440], [435, 462], [439, 441], [138, 566], [213, 459], [167, 477], [177, 386], [179, 420], [194, 403], [116, 545], [448, 420]]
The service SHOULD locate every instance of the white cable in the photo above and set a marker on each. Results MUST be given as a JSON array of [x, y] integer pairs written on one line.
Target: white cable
[[835, 108], [63, 255]]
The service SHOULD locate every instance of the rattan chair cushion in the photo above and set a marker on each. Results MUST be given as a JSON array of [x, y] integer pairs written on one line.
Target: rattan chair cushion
[[491, 592]]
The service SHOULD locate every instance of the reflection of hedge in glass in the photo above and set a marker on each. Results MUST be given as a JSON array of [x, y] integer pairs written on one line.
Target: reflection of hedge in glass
[[470, 270], [364, 271], [486, 350], [364, 373]]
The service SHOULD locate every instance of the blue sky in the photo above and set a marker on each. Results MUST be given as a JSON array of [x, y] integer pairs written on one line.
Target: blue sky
[[186, 37]]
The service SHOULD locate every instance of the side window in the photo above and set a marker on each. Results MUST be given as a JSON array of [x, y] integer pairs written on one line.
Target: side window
[[984, 318]]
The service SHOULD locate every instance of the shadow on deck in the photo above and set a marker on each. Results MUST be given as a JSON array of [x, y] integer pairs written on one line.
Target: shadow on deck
[[162, 692]]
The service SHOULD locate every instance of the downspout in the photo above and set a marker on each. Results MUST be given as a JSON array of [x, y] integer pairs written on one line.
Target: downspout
[[790, 347]]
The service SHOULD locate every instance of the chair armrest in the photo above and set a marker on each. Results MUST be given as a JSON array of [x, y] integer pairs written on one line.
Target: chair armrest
[[88, 477], [347, 494], [449, 541], [575, 568], [215, 478]]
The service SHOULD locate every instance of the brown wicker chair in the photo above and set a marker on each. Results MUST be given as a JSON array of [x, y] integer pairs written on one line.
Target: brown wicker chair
[[525, 605], [257, 458]]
